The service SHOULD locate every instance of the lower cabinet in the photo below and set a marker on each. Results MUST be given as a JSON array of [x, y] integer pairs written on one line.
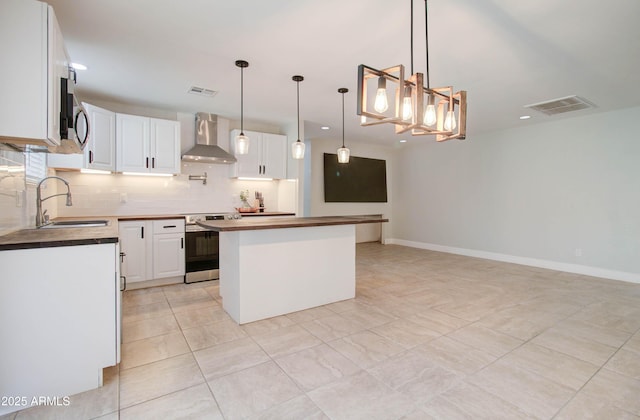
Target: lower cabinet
[[154, 251], [59, 320]]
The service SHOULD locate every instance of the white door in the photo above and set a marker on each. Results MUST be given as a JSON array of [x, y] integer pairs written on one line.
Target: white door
[[165, 146], [101, 149], [248, 165], [132, 143], [134, 236], [274, 156], [168, 255]]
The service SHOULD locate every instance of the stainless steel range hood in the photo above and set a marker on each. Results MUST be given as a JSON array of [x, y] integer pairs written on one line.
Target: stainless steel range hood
[[206, 149]]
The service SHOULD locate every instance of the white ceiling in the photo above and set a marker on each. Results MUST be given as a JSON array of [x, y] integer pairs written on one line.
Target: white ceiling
[[504, 53]]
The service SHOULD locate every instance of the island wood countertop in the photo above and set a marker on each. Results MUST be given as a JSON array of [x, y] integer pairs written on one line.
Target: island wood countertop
[[260, 223]]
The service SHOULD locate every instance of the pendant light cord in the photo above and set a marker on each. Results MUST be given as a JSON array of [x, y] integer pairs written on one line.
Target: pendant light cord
[[298, 96], [426, 39], [241, 100], [343, 120], [412, 36]]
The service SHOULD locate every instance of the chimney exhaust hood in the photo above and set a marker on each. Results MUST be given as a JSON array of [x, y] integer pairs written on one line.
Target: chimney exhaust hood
[[206, 149]]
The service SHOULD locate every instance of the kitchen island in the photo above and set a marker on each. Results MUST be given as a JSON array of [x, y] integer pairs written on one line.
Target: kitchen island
[[275, 266]]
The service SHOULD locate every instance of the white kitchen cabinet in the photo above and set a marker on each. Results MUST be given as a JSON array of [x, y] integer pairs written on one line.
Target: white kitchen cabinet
[[154, 251], [135, 242], [267, 157], [168, 248], [147, 145], [164, 146], [30, 100], [59, 319], [100, 151]]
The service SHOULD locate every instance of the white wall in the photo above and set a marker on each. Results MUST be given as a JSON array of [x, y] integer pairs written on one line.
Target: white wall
[[565, 192], [318, 207]]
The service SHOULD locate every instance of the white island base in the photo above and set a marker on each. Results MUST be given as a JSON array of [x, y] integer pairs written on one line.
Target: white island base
[[270, 272]]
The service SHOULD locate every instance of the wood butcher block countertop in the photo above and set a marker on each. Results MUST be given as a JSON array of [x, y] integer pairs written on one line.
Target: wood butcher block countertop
[[47, 238], [287, 222]]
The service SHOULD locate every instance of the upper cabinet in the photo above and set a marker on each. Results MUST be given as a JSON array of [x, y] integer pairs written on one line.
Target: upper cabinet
[[267, 157], [30, 99], [147, 145], [100, 151]]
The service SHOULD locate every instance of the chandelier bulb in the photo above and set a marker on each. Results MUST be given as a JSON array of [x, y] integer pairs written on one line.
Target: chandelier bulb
[[407, 105], [382, 103], [450, 121]]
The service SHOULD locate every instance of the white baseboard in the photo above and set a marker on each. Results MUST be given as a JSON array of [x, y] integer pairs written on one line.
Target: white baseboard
[[533, 262]]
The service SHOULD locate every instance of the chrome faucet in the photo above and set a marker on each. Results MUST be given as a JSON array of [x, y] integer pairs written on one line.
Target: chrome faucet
[[40, 217]]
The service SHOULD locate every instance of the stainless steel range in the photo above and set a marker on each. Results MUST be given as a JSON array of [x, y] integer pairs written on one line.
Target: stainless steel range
[[202, 256]]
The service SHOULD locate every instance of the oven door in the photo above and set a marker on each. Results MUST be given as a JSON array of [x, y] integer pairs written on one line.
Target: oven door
[[202, 257]]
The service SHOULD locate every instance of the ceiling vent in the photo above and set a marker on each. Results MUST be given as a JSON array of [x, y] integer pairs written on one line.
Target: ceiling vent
[[196, 90], [561, 105]]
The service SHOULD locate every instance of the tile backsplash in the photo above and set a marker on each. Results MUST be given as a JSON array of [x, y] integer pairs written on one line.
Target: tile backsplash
[[13, 209], [116, 194]]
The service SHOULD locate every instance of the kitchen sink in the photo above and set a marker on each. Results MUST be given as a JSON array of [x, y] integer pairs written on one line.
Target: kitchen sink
[[75, 224]]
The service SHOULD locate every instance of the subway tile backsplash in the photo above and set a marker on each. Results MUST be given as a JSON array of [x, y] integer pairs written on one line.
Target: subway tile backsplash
[[12, 190], [116, 194]]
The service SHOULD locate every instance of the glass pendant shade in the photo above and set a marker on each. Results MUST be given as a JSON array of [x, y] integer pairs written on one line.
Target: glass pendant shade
[[343, 155], [242, 144], [297, 150], [450, 121], [382, 103]]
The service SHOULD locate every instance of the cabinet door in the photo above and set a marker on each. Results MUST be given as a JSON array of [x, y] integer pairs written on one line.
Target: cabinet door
[[26, 108], [100, 152], [134, 237], [168, 255], [248, 165], [165, 146], [58, 68], [132, 143], [274, 156]]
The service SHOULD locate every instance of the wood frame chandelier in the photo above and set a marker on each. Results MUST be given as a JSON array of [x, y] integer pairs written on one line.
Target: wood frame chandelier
[[417, 108]]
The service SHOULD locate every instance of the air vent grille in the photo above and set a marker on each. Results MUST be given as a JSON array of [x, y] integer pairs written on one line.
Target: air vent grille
[[196, 90], [561, 105]]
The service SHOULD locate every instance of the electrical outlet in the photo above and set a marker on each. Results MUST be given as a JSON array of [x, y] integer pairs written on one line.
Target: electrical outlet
[[123, 198], [578, 252]]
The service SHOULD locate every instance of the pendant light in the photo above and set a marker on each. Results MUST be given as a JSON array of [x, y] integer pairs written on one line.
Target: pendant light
[[419, 108], [297, 148], [343, 152], [242, 141]]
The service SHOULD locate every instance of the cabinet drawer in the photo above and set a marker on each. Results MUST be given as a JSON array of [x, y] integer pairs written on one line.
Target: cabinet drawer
[[168, 226]]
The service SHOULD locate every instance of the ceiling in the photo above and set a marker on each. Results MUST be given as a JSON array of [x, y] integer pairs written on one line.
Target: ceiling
[[504, 53]]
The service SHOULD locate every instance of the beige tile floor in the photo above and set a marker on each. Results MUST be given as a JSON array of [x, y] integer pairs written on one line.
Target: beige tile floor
[[428, 336]]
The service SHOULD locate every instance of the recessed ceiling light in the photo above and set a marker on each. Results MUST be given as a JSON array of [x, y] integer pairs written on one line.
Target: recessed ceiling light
[[525, 117], [324, 127], [403, 141], [78, 66]]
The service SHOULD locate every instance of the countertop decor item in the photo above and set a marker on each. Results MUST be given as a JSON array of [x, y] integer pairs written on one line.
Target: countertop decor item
[[419, 109], [245, 206]]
